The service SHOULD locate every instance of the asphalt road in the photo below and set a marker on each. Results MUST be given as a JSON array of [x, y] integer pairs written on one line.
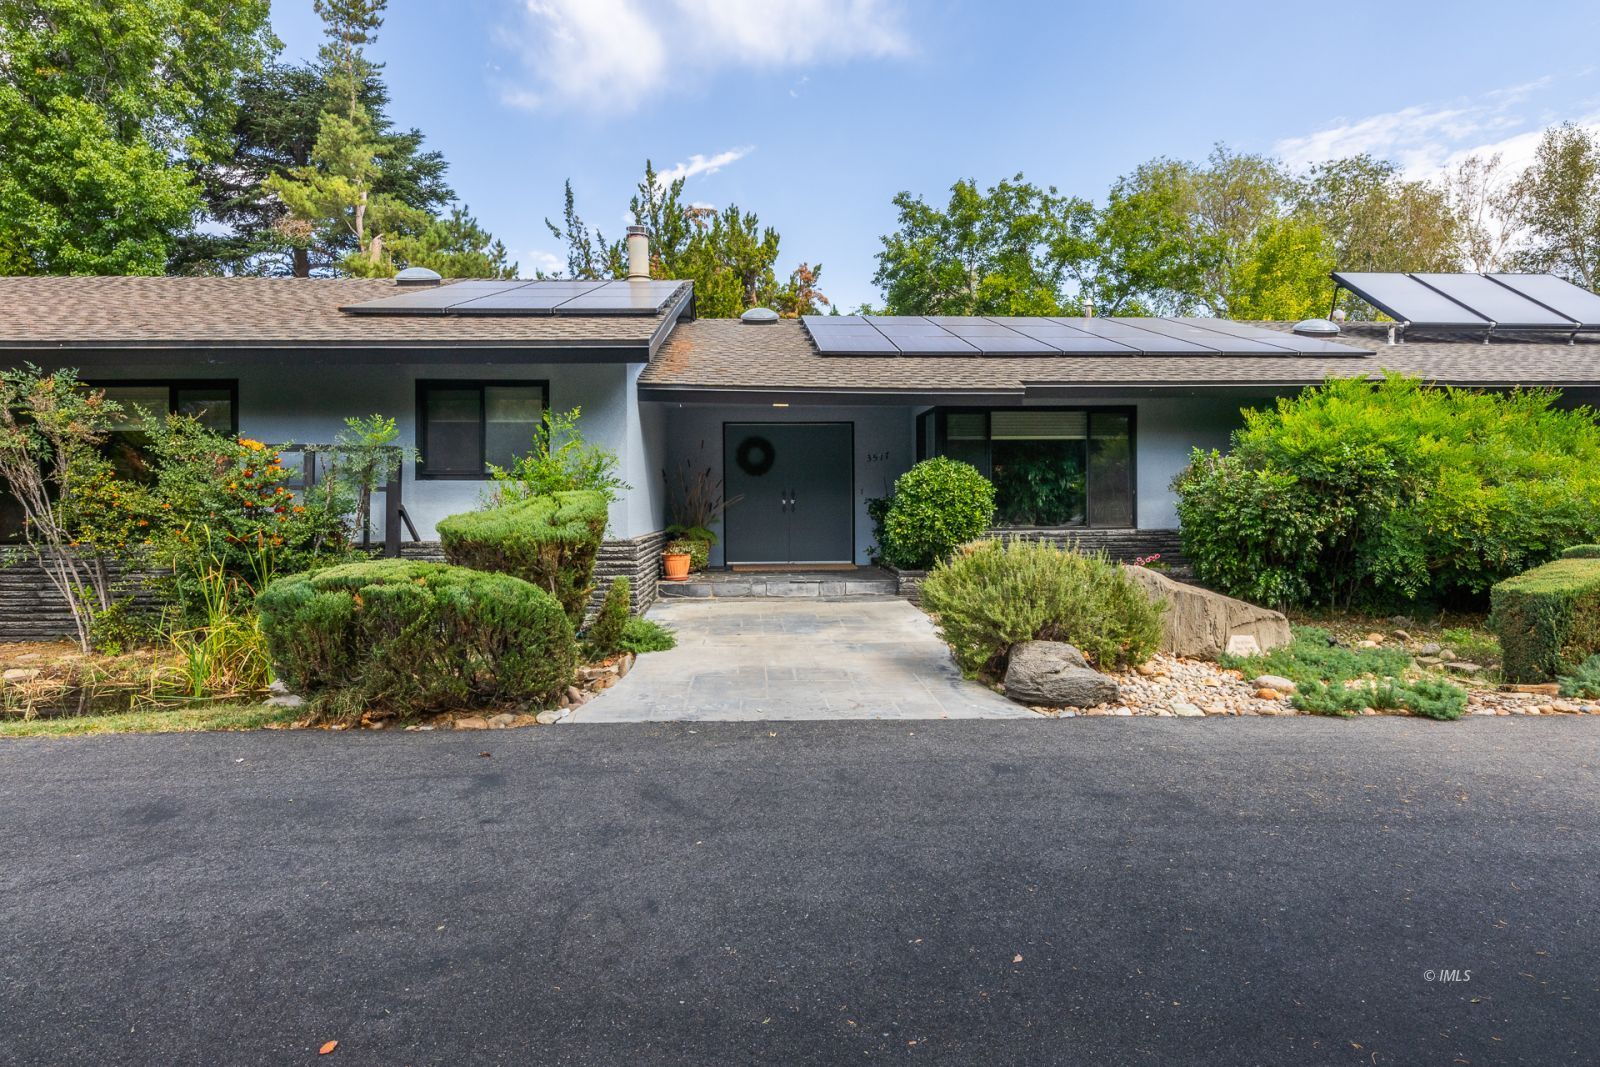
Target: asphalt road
[[1279, 891]]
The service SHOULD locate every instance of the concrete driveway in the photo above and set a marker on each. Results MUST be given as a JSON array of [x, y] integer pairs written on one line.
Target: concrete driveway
[[783, 659]]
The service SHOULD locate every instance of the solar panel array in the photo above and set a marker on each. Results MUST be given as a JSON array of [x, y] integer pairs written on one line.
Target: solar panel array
[[1478, 302], [952, 335], [559, 297]]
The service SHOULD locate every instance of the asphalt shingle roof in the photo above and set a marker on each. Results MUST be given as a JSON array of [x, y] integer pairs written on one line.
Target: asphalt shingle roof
[[724, 354], [53, 312]]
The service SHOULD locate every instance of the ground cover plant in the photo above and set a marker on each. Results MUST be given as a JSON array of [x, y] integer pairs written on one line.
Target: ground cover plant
[[1334, 678], [641, 635], [1584, 681], [410, 637], [993, 593], [1390, 491], [936, 506]]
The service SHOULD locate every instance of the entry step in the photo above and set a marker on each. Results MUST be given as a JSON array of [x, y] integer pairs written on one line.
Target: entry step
[[716, 585]]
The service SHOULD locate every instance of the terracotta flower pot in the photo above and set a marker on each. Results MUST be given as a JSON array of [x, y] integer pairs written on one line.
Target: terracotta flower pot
[[676, 565]]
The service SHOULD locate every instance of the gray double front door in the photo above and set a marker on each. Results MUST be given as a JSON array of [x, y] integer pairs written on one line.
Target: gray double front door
[[797, 484]]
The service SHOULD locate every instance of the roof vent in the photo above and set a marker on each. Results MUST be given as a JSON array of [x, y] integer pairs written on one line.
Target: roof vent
[[1316, 328], [418, 276], [759, 316]]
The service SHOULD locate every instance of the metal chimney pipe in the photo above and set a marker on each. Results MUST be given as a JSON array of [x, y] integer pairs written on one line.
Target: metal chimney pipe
[[1088, 306], [638, 254]]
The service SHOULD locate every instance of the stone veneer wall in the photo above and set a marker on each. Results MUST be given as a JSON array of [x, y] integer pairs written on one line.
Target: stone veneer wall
[[30, 607], [636, 558]]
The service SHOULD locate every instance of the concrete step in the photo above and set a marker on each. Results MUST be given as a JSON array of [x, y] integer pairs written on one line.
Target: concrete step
[[777, 585]]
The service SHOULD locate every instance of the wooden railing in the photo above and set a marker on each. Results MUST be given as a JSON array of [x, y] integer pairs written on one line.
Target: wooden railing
[[317, 461]]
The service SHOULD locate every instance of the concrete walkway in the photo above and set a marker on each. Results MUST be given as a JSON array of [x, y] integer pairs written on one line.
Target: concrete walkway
[[786, 659]]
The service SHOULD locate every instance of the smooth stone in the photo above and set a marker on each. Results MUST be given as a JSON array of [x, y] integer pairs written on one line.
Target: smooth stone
[[1187, 710], [471, 722], [1274, 681]]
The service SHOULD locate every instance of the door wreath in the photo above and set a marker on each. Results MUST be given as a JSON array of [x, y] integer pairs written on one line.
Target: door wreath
[[755, 456]]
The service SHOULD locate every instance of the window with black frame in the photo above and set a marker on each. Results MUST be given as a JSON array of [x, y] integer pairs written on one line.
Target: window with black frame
[[1050, 467], [463, 427]]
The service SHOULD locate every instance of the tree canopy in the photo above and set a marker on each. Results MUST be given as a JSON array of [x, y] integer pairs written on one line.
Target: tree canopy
[[104, 111], [727, 253]]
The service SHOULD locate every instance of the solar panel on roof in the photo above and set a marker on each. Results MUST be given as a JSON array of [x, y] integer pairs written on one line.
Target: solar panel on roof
[[1405, 299], [1573, 301], [993, 339], [1506, 308], [1232, 344], [1127, 332], [1289, 343], [524, 297], [847, 335]]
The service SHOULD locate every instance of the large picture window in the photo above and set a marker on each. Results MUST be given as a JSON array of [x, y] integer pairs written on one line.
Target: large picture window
[[1050, 466], [462, 427]]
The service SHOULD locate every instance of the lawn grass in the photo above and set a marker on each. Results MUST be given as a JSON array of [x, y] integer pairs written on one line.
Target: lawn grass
[[158, 721]]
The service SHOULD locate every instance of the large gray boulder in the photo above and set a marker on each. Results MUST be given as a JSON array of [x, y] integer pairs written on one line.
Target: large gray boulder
[[1056, 675], [1199, 624]]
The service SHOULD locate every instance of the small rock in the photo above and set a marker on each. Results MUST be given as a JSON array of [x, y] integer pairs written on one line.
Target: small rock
[[502, 720], [1216, 709], [285, 700], [471, 722], [625, 664], [1549, 689], [1565, 707], [1401, 635], [546, 718], [277, 686], [1431, 648], [1187, 711], [1462, 667], [1370, 643], [1447, 655], [1266, 693], [1274, 681], [574, 694], [1149, 670], [1375, 638], [20, 674], [1429, 661]]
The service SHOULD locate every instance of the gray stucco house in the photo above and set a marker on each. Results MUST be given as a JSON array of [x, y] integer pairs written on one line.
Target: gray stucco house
[[806, 420]]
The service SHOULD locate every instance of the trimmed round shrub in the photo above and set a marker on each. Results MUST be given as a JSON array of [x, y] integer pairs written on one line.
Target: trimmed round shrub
[[411, 637], [1547, 619], [551, 541], [1582, 552], [939, 504], [994, 593]]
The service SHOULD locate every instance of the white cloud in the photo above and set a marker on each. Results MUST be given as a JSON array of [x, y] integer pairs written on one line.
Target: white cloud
[[542, 261], [1425, 139], [611, 55], [699, 164]]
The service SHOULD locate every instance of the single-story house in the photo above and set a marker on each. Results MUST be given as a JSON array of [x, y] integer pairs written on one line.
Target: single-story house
[[1082, 422]]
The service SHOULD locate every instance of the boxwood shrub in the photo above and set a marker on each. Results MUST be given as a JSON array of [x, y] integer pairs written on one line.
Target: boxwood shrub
[[411, 637], [1547, 619], [937, 505], [993, 593], [551, 541], [1581, 552]]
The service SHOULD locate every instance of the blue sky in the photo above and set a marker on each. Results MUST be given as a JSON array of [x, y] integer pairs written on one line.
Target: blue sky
[[814, 113]]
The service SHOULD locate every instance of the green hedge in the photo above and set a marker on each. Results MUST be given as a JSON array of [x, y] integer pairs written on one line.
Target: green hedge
[[1547, 619], [604, 637], [411, 637], [551, 541], [1582, 552]]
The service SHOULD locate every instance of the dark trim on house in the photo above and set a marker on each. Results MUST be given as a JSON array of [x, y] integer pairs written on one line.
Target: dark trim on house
[[693, 394], [420, 435]]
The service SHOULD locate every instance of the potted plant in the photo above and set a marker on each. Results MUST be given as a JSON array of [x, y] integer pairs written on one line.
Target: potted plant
[[675, 560], [696, 503]]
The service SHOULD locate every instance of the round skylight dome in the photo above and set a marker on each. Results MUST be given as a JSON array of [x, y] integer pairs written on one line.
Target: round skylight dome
[[759, 316], [418, 276], [1316, 328]]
